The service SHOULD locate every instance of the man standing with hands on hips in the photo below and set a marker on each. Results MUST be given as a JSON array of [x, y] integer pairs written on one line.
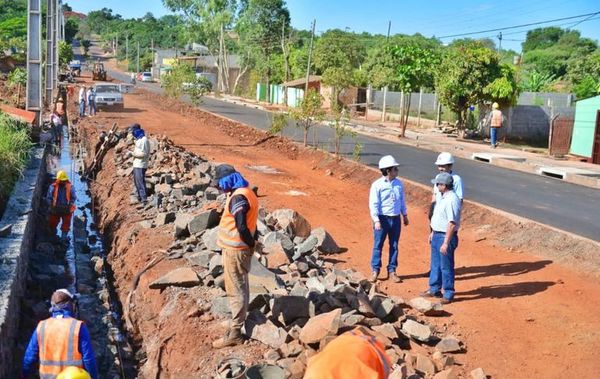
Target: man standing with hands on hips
[[445, 223], [386, 205]]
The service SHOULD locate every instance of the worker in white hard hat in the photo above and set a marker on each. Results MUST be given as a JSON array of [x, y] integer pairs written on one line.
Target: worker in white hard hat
[[495, 119], [387, 204], [444, 163]]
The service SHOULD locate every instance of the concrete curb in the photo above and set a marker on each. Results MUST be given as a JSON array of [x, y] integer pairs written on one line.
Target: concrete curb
[[21, 211]]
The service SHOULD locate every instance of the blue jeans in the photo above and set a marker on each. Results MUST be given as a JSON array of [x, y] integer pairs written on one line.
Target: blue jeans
[[139, 179], [442, 266], [92, 108], [390, 227], [81, 108], [493, 136]]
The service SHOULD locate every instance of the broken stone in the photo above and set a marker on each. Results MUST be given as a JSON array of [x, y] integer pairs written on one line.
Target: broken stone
[[320, 326], [271, 356], [262, 279], [325, 242], [164, 218], [180, 277], [448, 345], [387, 330], [451, 373], [277, 256], [210, 239], [289, 221], [215, 266], [145, 224], [478, 373], [291, 308], [296, 370], [201, 258], [292, 349], [400, 372], [306, 247], [417, 330], [202, 221], [181, 224], [314, 284], [425, 365], [425, 306], [352, 318], [269, 334]]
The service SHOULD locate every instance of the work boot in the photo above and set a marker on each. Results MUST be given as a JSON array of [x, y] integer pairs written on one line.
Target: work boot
[[395, 278], [374, 276], [233, 337]]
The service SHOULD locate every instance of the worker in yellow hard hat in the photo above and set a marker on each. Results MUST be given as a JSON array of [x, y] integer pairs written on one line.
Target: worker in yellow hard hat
[[73, 372], [61, 200]]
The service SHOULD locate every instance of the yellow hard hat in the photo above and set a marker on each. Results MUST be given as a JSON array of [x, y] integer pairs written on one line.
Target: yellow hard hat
[[73, 372], [495, 106], [62, 176]]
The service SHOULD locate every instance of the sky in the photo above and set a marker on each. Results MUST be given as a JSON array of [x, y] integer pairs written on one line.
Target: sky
[[428, 17]]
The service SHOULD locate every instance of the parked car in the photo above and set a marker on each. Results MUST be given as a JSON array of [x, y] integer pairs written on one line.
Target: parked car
[[146, 77], [109, 95]]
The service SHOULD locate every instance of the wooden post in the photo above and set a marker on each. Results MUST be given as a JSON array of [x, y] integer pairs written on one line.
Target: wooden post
[[384, 104], [420, 103]]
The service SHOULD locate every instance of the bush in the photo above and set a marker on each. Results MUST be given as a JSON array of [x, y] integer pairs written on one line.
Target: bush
[[14, 152]]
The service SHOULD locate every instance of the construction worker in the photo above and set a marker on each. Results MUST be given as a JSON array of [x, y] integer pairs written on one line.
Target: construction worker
[[444, 163], [443, 239], [354, 354], [386, 205], [61, 198], [141, 155], [73, 372], [82, 100], [91, 101], [236, 237], [495, 121], [60, 341]]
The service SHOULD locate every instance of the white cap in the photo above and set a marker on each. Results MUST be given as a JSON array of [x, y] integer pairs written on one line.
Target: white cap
[[387, 161], [444, 159]]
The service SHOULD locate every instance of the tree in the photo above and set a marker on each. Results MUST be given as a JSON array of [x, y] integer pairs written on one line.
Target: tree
[[536, 81], [65, 52], [17, 79], [466, 76], [340, 130], [542, 38], [71, 28], [309, 112], [173, 82], [259, 28], [337, 54], [584, 73], [198, 87], [86, 43]]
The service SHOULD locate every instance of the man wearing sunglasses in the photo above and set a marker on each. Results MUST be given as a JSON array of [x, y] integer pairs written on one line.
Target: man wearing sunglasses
[[386, 205], [444, 239]]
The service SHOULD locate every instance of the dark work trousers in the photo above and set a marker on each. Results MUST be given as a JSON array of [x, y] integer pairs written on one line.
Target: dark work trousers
[[139, 179]]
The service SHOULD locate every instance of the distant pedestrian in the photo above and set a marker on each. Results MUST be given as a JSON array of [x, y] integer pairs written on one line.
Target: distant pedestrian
[[141, 155], [59, 342], [91, 101], [495, 121], [237, 238], [387, 204], [82, 101], [443, 239]]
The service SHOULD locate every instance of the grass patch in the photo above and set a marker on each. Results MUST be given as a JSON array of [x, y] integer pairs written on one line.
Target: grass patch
[[15, 145]]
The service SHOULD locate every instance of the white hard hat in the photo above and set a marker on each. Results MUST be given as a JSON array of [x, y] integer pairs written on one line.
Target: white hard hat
[[387, 161], [444, 159]]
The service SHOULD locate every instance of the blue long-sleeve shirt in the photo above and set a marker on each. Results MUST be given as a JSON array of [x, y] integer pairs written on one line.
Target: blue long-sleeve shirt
[[32, 354], [61, 198], [386, 198]]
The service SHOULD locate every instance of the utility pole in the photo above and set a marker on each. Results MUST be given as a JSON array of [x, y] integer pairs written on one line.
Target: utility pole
[[220, 61], [138, 57], [312, 37], [34, 91], [56, 38], [499, 42], [127, 48], [49, 51], [389, 29]]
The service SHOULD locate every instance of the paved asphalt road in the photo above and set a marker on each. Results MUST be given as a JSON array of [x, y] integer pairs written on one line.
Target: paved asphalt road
[[563, 205]]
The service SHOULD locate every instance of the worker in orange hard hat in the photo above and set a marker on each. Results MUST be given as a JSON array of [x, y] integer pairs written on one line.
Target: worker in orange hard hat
[[60, 342], [354, 354], [61, 199]]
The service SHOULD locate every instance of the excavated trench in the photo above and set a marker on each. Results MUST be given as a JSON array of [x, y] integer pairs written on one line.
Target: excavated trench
[[80, 266]]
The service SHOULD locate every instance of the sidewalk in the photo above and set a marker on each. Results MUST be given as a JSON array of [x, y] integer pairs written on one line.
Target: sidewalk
[[581, 173]]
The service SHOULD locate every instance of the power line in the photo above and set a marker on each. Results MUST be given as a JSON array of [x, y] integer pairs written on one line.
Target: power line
[[520, 26]]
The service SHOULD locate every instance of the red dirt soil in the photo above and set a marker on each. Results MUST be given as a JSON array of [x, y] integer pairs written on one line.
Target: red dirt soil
[[518, 314]]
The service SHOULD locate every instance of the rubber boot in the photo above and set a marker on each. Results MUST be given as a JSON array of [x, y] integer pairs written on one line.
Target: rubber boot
[[233, 337]]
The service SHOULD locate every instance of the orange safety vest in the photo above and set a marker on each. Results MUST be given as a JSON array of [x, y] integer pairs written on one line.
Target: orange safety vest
[[229, 237], [354, 354], [55, 193], [496, 119], [58, 341]]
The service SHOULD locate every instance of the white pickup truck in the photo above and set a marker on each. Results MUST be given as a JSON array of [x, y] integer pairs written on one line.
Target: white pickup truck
[[109, 95]]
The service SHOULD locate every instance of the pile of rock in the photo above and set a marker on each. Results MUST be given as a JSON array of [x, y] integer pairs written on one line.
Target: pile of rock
[[299, 301]]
